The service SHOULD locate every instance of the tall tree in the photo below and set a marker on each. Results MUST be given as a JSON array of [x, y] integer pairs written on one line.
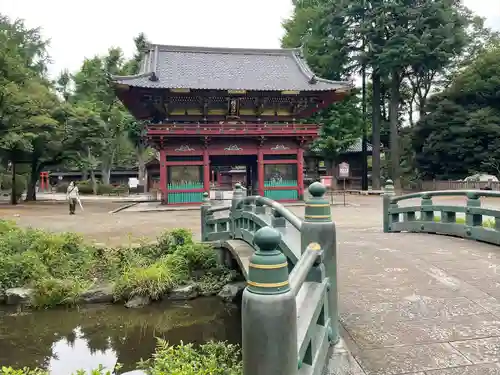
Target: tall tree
[[26, 102], [460, 131], [310, 27], [134, 128]]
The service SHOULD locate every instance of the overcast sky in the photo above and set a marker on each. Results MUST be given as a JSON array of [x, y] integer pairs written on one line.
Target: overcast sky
[[80, 29]]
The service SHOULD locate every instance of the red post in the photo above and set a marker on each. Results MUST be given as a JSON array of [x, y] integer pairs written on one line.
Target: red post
[[163, 175], [300, 172], [44, 181], [260, 171], [206, 170]]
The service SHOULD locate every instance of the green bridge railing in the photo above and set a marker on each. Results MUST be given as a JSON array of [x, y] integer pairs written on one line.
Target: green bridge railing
[[290, 304], [468, 221]]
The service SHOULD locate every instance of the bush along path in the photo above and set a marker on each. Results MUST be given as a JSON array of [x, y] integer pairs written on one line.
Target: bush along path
[[43, 269], [212, 358]]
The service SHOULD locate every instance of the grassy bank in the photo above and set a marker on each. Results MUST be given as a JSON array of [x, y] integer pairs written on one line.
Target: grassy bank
[[208, 359], [59, 267]]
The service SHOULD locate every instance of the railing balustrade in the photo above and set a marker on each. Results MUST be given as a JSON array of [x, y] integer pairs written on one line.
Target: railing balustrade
[[469, 220], [289, 308]]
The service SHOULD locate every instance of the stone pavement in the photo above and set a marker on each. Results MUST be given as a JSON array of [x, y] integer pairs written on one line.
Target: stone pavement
[[418, 304]]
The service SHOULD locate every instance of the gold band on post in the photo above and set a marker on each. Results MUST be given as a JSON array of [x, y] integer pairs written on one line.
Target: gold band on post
[[268, 266], [268, 285], [317, 216], [314, 246]]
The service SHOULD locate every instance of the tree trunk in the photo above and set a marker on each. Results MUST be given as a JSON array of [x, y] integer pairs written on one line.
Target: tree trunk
[[92, 173], [31, 190], [142, 168], [376, 121], [13, 193], [421, 107], [106, 175], [94, 181], [394, 137]]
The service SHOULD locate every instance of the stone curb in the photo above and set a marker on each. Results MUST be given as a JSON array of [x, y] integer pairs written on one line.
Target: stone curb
[[124, 207], [196, 207]]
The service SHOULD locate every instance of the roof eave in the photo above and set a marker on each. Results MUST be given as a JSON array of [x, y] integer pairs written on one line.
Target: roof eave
[[304, 67]]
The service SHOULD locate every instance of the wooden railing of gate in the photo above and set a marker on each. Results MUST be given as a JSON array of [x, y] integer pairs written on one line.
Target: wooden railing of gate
[[469, 220], [289, 307]]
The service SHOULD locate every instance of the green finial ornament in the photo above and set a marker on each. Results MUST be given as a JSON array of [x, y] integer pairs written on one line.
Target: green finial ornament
[[268, 268], [206, 197], [317, 207]]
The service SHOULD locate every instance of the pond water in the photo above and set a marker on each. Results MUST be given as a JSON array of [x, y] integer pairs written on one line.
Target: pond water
[[64, 341]]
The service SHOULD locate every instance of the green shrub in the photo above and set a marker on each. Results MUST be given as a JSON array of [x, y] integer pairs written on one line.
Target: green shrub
[[52, 292], [213, 358], [120, 190], [85, 187], [154, 280], [104, 189], [21, 183], [60, 266], [170, 241], [26, 371]]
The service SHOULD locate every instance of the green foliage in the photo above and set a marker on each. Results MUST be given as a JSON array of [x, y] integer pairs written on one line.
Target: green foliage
[[342, 122], [59, 267], [6, 183], [51, 292], [212, 358], [460, 133], [154, 280], [208, 359], [26, 371]]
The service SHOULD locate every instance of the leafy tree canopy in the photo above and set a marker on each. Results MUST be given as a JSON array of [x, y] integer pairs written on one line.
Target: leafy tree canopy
[[460, 132]]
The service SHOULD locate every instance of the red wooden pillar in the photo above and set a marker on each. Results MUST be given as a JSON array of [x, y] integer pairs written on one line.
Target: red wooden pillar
[[206, 170], [163, 175], [260, 171], [300, 172]]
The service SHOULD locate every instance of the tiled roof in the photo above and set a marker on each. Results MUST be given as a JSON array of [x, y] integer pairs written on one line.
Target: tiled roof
[[357, 146], [228, 69]]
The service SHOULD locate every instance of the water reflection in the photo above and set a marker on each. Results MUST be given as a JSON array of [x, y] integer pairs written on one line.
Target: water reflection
[[67, 340]]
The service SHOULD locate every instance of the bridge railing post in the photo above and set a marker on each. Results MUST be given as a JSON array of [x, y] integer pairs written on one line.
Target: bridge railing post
[[238, 196], [319, 227], [205, 229], [386, 204], [277, 220], [269, 311]]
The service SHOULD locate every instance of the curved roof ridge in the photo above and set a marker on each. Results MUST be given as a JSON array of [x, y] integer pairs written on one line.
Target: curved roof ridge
[[147, 69], [306, 69], [222, 50], [166, 66]]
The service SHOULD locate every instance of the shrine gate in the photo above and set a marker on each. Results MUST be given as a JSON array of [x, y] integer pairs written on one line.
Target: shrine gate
[[219, 116]]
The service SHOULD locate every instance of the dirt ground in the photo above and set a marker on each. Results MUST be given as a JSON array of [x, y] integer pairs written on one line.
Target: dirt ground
[[97, 224]]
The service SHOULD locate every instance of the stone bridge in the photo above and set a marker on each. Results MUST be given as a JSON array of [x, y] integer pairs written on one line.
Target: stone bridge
[[386, 297]]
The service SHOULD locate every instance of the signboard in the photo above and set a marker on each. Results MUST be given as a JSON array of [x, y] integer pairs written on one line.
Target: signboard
[[344, 170], [326, 181]]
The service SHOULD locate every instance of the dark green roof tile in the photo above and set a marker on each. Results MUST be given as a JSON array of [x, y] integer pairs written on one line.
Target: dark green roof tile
[[228, 69]]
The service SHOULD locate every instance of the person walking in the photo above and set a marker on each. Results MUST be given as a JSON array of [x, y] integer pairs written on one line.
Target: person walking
[[72, 195]]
